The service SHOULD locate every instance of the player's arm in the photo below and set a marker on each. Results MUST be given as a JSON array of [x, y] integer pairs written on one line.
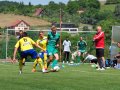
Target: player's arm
[[96, 37], [35, 44], [15, 50]]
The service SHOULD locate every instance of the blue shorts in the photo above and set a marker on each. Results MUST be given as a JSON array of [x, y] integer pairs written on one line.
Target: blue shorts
[[41, 54], [30, 52]]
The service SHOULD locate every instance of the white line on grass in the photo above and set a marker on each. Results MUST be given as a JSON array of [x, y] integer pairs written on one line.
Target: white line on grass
[[102, 72]]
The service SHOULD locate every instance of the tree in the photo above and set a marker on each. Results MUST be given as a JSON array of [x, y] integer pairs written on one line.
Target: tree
[[72, 7], [117, 10]]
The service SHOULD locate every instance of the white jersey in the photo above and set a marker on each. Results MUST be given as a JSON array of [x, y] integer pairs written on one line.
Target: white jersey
[[90, 57], [66, 45]]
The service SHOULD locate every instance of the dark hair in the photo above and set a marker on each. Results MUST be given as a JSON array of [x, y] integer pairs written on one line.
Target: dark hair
[[24, 34]]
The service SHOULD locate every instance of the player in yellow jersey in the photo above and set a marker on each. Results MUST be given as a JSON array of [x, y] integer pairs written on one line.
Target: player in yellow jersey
[[42, 41], [26, 47]]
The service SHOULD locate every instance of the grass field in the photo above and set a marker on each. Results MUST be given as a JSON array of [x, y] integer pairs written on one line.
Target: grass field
[[82, 77]]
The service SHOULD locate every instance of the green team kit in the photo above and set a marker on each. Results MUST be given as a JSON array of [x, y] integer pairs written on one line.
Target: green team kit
[[52, 41], [82, 46]]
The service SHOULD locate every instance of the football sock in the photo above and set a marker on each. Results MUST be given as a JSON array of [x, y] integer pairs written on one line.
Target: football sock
[[20, 64], [54, 63], [35, 64], [40, 63], [45, 61]]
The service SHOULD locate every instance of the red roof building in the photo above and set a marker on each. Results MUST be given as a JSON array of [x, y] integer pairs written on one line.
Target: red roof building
[[38, 12], [19, 25]]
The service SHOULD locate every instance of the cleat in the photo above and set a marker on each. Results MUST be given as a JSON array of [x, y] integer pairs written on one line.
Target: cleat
[[33, 70], [20, 72], [98, 68], [45, 71], [53, 70]]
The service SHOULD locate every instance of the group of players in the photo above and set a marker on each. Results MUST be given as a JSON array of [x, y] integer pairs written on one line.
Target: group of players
[[47, 45]]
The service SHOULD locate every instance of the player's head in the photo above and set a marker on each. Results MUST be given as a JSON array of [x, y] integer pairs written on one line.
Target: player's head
[[24, 34], [53, 28], [41, 34], [81, 38], [118, 44], [99, 29], [21, 32]]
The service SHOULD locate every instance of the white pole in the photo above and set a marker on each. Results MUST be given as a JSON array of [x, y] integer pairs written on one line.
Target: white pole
[[6, 42]]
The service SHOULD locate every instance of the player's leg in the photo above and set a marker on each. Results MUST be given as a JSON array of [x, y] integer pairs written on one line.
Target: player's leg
[[78, 56], [45, 61], [55, 61], [23, 55], [34, 65], [20, 65], [23, 61]]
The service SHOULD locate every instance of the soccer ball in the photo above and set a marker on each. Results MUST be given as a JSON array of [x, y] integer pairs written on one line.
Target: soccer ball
[[56, 68]]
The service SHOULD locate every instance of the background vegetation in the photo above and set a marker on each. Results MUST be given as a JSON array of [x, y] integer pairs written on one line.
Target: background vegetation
[[88, 12]]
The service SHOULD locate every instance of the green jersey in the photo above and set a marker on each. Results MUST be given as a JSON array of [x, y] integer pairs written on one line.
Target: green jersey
[[82, 45], [52, 41]]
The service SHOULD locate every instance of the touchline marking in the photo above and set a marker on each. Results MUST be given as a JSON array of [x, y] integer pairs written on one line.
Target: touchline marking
[[102, 72]]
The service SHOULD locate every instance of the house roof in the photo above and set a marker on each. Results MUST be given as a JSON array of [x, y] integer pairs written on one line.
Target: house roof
[[18, 22], [38, 11]]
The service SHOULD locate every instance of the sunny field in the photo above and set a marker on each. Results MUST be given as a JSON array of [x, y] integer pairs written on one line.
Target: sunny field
[[81, 77]]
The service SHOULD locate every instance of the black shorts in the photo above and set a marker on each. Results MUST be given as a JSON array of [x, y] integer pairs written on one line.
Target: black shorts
[[100, 52], [94, 61]]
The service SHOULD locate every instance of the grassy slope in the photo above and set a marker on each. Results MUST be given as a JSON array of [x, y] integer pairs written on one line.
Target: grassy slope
[[81, 77], [8, 19]]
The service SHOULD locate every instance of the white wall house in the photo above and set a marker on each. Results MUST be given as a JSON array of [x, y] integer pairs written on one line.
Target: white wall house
[[19, 25]]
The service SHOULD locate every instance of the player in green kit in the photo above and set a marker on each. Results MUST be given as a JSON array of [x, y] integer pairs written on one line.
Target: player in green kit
[[81, 47], [53, 39]]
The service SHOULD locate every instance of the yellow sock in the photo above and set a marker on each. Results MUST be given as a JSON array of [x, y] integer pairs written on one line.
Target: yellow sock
[[40, 63], [20, 64], [35, 63], [23, 60], [45, 60]]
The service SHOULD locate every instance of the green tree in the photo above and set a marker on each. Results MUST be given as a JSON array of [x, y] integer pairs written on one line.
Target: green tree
[[117, 10], [72, 7]]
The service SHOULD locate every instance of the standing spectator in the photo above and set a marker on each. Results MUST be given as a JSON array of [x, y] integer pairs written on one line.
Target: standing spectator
[[66, 45], [81, 47], [99, 45]]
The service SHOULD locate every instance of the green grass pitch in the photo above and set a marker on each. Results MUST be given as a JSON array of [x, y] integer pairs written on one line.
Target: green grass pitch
[[82, 77]]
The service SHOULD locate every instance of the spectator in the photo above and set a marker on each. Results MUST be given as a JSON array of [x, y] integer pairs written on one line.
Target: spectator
[[81, 48], [99, 45], [66, 51]]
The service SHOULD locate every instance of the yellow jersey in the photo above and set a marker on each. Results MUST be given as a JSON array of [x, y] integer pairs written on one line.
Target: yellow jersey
[[42, 42], [25, 43]]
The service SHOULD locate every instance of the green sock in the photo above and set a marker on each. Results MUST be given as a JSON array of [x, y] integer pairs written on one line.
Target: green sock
[[54, 63], [78, 59]]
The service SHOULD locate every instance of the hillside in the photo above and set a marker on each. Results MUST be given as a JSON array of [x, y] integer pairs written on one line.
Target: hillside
[[7, 19]]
